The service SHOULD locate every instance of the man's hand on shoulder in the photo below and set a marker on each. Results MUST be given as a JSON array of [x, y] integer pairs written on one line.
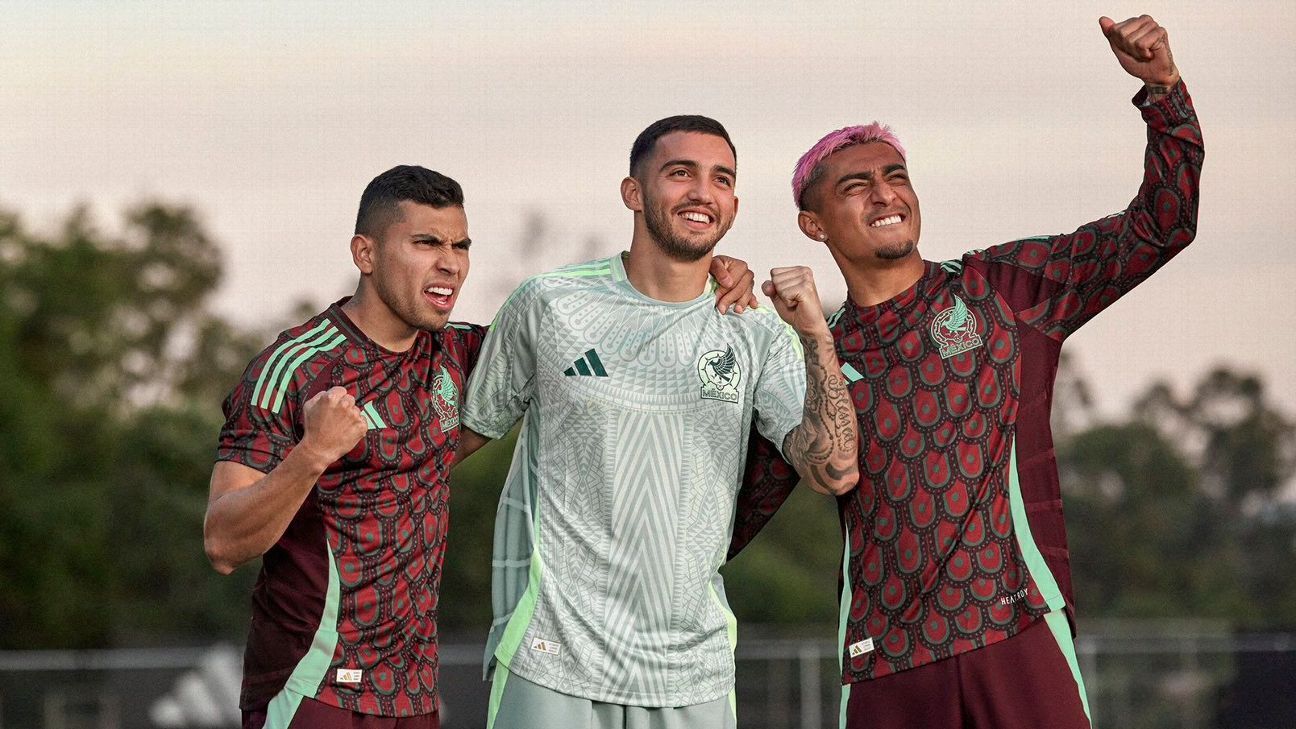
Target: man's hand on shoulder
[[736, 282], [1143, 49]]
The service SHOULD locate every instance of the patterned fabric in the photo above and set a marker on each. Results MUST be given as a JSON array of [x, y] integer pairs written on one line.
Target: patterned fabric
[[617, 511], [955, 538], [344, 610]]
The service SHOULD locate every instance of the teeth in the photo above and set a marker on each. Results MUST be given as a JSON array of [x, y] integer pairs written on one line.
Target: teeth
[[697, 217], [439, 291], [889, 220]]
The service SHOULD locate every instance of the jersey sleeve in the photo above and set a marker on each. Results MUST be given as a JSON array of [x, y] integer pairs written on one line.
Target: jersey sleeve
[[1057, 283], [467, 340], [503, 380], [260, 421], [767, 482], [779, 396]]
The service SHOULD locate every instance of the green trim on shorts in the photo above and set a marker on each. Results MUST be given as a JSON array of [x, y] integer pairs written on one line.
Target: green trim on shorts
[[845, 699], [1061, 627]]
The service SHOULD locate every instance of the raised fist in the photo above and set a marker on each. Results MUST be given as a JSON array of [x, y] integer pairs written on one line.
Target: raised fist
[[333, 424], [1143, 49], [792, 289]]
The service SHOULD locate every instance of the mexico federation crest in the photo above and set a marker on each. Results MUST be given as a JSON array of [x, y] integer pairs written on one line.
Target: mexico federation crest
[[955, 330], [445, 400], [720, 375]]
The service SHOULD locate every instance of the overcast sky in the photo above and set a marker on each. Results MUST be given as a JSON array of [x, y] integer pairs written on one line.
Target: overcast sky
[[271, 117]]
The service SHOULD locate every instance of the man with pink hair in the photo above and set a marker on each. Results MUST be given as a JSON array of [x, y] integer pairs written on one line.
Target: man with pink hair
[[956, 599]]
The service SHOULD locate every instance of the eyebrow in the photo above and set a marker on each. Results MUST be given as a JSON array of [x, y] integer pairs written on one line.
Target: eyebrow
[[692, 165], [867, 176], [434, 238]]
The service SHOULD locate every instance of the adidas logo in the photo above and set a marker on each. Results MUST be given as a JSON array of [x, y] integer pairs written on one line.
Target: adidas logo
[[587, 366]]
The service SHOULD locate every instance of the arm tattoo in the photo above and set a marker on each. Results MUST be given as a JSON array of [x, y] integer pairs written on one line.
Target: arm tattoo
[[824, 447]]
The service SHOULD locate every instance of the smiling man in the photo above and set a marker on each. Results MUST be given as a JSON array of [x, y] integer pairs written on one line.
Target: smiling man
[[639, 399], [334, 463], [956, 597]]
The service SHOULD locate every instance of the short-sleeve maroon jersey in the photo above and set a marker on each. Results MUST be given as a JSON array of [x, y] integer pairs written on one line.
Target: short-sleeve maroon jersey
[[344, 610]]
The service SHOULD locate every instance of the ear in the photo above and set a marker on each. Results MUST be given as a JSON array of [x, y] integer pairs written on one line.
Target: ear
[[809, 224], [363, 251], [632, 194]]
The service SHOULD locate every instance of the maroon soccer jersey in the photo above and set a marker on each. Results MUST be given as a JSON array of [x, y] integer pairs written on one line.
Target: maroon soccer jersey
[[344, 610], [954, 536]]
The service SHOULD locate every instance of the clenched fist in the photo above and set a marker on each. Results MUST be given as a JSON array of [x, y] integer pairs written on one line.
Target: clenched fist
[[792, 289], [1143, 49], [333, 424]]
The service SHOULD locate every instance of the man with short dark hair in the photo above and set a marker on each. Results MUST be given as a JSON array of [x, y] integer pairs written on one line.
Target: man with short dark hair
[[956, 595], [639, 400], [334, 465]]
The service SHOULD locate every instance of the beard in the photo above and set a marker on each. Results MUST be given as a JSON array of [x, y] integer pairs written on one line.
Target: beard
[[408, 310], [684, 249], [895, 252]]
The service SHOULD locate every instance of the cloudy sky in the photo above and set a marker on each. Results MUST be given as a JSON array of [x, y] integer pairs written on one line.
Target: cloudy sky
[[271, 117]]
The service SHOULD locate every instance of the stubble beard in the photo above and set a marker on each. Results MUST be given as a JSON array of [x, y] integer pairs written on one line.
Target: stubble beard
[[658, 221], [409, 311], [897, 251]]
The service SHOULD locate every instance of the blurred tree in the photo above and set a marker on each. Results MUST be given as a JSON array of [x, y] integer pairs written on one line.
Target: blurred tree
[[112, 364], [1179, 510]]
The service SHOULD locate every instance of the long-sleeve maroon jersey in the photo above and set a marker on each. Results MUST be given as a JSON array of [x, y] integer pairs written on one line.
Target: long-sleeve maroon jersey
[[954, 538], [344, 610]]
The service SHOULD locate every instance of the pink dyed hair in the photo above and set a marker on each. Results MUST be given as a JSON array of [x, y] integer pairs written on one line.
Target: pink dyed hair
[[808, 169]]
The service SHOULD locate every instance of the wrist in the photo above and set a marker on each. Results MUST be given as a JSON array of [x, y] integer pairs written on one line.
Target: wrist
[[311, 457], [1161, 86], [816, 335]]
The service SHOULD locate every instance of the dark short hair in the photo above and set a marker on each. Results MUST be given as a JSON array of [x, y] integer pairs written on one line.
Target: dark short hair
[[380, 202], [647, 139]]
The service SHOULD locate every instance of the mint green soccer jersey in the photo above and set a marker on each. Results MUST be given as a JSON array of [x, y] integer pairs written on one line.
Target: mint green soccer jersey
[[617, 511]]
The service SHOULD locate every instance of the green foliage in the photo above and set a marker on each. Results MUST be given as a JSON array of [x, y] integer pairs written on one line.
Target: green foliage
[[111, 362], [1177, 512], [114, 370]]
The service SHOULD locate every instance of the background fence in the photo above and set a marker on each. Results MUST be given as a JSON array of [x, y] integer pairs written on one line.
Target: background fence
[[1140, 675]]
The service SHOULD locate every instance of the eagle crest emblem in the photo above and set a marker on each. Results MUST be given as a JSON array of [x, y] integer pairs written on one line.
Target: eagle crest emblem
[[955, 330], [720, 375]]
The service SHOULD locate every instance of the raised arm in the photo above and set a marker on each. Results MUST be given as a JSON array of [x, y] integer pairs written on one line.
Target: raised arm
[[247, 510], [824, 447]]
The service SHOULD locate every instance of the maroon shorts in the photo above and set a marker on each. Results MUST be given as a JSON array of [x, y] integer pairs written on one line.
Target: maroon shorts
[[1024, 682], [312, 714]]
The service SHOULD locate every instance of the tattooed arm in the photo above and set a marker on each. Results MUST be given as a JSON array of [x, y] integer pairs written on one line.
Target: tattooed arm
[[824, 447]]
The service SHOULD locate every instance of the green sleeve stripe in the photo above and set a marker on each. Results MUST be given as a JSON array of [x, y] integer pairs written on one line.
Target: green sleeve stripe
[[374, 417], [1035, 563], [282, 388], [258, 390], [852, 374], [836, 315], [596, 363]]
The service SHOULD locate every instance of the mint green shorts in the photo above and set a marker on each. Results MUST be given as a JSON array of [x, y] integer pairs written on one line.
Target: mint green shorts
[[517, 703]]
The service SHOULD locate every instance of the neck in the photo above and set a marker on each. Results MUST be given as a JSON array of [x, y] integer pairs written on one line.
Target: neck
[[377, 321], [882, 280], [658, 276]]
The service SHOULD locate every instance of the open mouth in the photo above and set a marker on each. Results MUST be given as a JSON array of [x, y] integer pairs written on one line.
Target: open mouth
[[696, 220], [440, 296], [887, 221]]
